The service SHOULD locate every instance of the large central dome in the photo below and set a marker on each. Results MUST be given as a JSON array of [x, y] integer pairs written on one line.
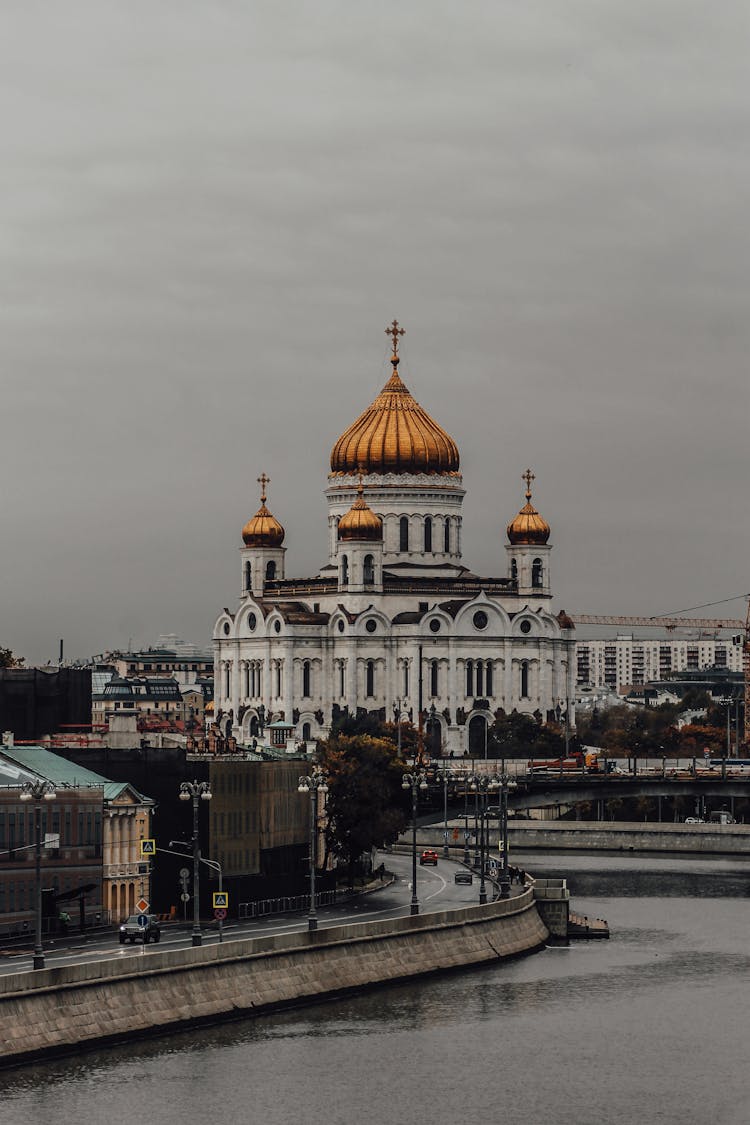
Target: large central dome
[[395, 435]]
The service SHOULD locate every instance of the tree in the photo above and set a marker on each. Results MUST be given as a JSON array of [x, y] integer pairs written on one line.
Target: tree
[[367, 806], [8, 660]]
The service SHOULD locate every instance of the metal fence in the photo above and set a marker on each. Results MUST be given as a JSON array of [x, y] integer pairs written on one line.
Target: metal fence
[[288, 904]]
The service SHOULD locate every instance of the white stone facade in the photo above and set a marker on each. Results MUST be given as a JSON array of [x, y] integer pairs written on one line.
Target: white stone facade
[[356, 635]]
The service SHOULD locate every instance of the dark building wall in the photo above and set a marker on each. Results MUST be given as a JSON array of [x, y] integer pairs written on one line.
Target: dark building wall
[[37, 701], [261, 842]]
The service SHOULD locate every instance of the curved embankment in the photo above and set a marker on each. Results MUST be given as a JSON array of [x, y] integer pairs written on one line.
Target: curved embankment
[[54, 1010]]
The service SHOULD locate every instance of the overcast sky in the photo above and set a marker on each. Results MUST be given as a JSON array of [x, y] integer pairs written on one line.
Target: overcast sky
[[210, 211]]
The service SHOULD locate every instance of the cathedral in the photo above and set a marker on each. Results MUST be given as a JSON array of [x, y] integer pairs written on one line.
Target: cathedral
[[394, 623]]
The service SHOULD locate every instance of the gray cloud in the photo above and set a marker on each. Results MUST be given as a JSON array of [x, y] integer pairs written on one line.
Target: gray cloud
[[210, 212]]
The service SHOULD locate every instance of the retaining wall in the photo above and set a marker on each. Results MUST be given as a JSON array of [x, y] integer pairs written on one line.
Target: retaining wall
[[546, 835], [53, 1010]]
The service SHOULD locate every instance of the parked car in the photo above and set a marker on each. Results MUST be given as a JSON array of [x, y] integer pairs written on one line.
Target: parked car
[[133, 930], [429, 855], [694, 820], [463, 875]]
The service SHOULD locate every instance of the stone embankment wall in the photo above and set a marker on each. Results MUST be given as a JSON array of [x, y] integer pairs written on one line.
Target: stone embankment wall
[[53, 1010], [549, 835]]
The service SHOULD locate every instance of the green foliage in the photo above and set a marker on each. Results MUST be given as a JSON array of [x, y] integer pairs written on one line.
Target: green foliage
[[524, 736], [8, 660], [367, 806]]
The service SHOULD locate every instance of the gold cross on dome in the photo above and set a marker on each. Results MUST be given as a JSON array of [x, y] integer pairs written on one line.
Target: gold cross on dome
[[394, 331], [528, 476], [263, 480]]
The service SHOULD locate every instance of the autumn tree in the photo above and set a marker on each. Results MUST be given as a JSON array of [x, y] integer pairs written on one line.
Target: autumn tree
[[8, 660], [367, 806]]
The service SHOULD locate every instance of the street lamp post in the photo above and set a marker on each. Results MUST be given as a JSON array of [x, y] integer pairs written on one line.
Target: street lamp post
[[445, 776], [414, 781], [196, 791], [38, 791], [313, 784], [482, 784], [467, 857]]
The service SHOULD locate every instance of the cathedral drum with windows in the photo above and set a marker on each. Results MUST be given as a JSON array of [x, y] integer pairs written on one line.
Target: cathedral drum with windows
[[394, 617]]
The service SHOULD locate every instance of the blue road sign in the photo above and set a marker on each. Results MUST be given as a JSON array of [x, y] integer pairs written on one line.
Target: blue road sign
[[143, 921]]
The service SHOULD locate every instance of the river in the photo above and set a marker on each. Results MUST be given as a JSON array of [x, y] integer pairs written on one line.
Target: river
[[650, 1026]]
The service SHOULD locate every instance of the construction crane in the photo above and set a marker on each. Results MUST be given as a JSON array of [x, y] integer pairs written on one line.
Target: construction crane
[[742, 635], [660, 622]]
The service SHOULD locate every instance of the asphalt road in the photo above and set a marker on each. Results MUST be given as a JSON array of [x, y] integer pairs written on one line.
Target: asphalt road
[[436, 890]]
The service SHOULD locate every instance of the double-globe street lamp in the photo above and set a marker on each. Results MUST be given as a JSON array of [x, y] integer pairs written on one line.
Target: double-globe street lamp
[[444, 776], [482, 784], [196, 791], [38, 791], [506, 784], [313, 783], [414, 781]]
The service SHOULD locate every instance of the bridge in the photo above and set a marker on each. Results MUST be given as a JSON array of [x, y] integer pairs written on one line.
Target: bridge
[[539, 791]]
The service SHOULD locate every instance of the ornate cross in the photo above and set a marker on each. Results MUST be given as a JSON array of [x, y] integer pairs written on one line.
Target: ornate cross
[[528, 476], [263, 480], [394, 331]]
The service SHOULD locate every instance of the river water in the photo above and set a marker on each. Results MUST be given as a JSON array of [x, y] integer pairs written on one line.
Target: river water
[[650, 1026]]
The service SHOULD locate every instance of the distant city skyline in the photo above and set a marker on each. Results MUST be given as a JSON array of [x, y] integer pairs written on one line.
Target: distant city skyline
[[211, 215]]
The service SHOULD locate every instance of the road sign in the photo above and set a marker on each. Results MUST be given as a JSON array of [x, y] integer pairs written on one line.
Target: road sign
[[220, 914], [142, 905], [52, 839], [455, 833], [148, 847], [143, 921], [184, 897], [221, 899]]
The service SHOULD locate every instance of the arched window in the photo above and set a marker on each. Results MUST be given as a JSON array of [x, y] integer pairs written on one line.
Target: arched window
[[488, 679], [480, 677], [344, 570], [254, 728], [469, 677], [447, 536], [369, 570], [248, 576], [306, 732], [478, 737], [278, 678], [537, 571], [434, 677], [427, 534], [406, 679], [370, 678], [270, 570], [524, 679], [403, 532], [513, 570], [342, 678], [306, 678]]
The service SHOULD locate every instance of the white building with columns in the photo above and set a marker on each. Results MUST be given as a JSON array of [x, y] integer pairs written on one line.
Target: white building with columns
[[394, 622]]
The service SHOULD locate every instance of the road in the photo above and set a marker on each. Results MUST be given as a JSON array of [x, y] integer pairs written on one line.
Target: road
[[436, 890]]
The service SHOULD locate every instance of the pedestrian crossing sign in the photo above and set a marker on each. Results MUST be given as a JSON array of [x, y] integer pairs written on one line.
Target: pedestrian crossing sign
[[221, 900], [148, 847]]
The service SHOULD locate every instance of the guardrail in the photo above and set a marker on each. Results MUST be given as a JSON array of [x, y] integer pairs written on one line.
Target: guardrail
[[288, 904]]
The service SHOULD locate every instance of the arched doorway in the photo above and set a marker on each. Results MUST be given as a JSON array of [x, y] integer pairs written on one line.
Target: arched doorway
[[477, 736], [306, 732]]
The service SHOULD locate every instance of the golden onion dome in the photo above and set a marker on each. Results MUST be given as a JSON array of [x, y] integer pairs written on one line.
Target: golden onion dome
[[528, 526], [360, 522], [395, 435], [263, 530]]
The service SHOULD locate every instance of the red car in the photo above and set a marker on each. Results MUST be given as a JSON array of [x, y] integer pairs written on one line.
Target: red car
[[429, 855]]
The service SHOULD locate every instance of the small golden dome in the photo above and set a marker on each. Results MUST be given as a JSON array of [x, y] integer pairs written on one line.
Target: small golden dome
[[395, 435], [263, 530], [528, 526], [360, 522]]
